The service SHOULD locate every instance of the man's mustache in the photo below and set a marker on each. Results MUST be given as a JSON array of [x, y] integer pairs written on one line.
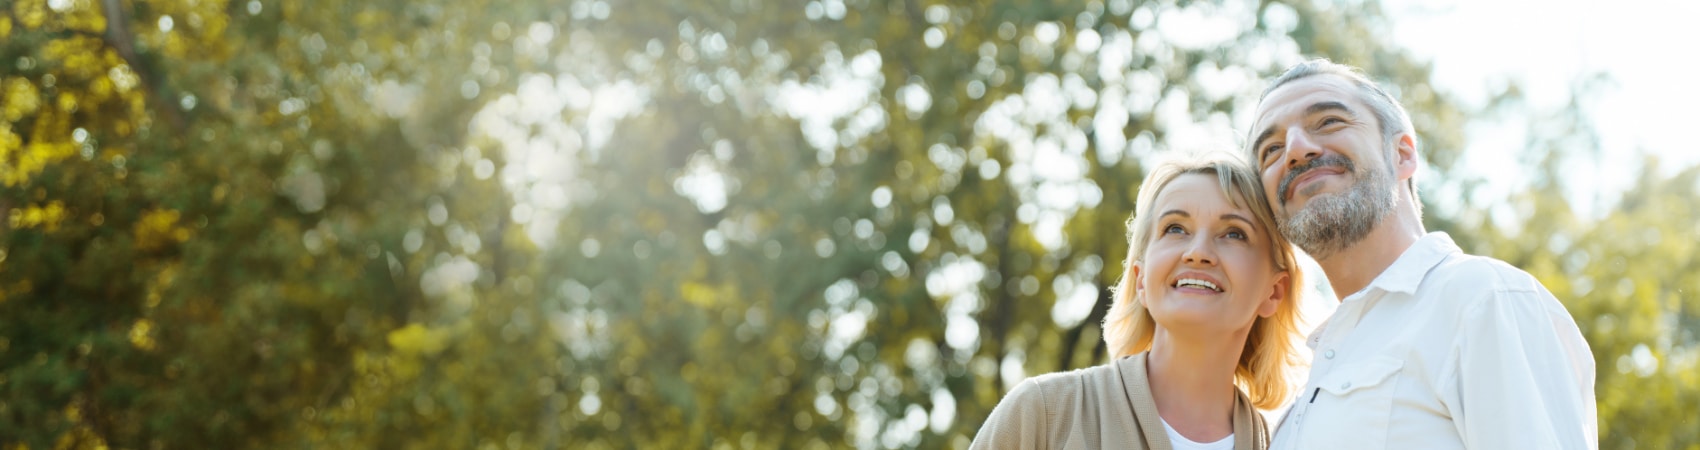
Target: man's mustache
[[1330, 160]]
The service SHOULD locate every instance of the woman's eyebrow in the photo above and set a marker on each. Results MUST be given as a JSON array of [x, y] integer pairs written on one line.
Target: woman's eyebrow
[[1174, 212], [1232, 216]]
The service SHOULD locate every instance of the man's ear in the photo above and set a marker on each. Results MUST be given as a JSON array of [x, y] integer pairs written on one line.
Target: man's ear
[[1267, 306], [1405, 157]]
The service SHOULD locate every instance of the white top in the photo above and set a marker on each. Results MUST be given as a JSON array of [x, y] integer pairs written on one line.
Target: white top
[[1446, 350], [1179, 442]]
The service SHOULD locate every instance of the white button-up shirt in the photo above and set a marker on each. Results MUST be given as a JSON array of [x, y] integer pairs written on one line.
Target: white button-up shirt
[[1446, 350]]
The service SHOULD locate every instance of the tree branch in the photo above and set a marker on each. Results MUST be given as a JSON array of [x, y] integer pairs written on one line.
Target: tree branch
[[119, 38], [1100, 308]]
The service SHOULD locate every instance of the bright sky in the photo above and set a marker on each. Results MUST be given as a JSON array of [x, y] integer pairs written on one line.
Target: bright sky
[[1478, 44]]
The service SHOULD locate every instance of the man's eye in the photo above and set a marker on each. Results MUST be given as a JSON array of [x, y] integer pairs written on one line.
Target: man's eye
[[1270, 150]]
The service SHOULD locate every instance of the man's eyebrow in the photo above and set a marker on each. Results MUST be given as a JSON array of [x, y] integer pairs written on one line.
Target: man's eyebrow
[[1267, 132], [1329, 106], [1312, 109]]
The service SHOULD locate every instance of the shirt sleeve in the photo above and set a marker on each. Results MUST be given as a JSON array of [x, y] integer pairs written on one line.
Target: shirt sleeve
[[1524, 375], [1018, 422]]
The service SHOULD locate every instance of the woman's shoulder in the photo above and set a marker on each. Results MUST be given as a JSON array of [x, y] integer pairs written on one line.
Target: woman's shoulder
[[1063, 391], [1048, 408], [1076, 377]]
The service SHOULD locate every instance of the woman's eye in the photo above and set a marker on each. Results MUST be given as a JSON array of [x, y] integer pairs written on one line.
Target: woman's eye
[[1172, 229], [1236, 234], [1332, 120]]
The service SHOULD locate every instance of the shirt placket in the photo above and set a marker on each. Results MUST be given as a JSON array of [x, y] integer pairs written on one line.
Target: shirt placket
[[1327, 352]]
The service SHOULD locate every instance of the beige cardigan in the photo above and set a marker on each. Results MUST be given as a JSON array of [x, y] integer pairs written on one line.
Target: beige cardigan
[[1103, 407]]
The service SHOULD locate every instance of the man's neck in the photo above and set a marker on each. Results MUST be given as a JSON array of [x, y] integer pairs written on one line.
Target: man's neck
[[1192, 382], [1352, 269]]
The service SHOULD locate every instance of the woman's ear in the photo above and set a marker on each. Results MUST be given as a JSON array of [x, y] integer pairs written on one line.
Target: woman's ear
[[1133, 274], [1268, 306]]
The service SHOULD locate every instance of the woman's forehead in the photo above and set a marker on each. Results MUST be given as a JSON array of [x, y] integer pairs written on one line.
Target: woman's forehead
[[1196, 191]]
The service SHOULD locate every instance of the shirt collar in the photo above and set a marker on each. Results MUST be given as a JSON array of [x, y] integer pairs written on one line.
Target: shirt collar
[[1408, 271]]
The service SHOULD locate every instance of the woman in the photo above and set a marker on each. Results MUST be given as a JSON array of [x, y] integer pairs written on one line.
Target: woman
[[1203, 328]]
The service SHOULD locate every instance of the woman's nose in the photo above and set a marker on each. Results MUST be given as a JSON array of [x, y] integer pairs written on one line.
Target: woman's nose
[[1200, 251]]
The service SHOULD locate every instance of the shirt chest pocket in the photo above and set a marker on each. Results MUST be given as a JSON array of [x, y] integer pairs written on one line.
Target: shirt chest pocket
[[1354, 404]]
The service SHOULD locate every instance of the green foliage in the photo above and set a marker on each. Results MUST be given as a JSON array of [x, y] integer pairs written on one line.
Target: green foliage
[[666, 224], [1628, 277]]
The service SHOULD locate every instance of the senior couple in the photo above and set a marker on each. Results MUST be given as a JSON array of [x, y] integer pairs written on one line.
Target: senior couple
[[1429, 347]]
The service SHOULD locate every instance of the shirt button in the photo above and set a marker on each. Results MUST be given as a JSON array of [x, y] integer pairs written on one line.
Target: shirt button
[[1328, 354], [1346, 385]]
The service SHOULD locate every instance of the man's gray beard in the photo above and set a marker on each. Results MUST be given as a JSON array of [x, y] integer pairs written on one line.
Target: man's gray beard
[[1331, 222]]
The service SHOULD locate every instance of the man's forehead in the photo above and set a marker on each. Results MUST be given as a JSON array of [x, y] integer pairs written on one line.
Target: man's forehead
[[1299, 94]]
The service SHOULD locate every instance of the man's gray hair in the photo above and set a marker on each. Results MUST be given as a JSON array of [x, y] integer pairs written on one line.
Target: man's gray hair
[[1389, 114]]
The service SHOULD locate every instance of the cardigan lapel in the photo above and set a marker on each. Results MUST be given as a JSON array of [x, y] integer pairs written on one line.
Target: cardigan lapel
[[1138, 387], [1249, 433]]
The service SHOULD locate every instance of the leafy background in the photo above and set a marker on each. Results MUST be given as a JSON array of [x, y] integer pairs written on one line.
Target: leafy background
[[679, 224]]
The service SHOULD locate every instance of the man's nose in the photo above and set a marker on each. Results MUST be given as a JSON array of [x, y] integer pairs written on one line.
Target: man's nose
[[1300, 147]]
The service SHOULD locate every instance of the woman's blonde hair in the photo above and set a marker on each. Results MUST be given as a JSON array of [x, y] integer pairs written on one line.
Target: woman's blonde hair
[[1270, 347]]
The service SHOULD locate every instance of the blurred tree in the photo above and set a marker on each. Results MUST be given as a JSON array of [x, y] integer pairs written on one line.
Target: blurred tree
[[1627, 277], [1631, 282], [221, 215], [956, 177]]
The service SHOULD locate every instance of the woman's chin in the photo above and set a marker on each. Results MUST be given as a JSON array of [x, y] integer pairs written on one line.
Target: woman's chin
[[1198, 323]]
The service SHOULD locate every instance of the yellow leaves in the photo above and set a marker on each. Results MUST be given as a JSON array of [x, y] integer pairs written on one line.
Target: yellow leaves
[[80, 57], [158, 228], [215, 23], [68, 101], [18, 161], [415, 339], [33, 216], [9, 143], [141, 335], [21, 101], [196, 28], [700, 294], [18, 288], [413, 342], [76, 15], [5, 27], [101, 88], [20, 98], [84, 15], [371, 18], [79, 437], [34, 157], [30, 13], [162, 280]]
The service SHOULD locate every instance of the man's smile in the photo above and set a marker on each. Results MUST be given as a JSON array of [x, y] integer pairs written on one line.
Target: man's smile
[[1313, 170]]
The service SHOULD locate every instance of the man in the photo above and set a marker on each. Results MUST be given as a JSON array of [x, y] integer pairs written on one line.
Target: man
[[1429, 348]]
